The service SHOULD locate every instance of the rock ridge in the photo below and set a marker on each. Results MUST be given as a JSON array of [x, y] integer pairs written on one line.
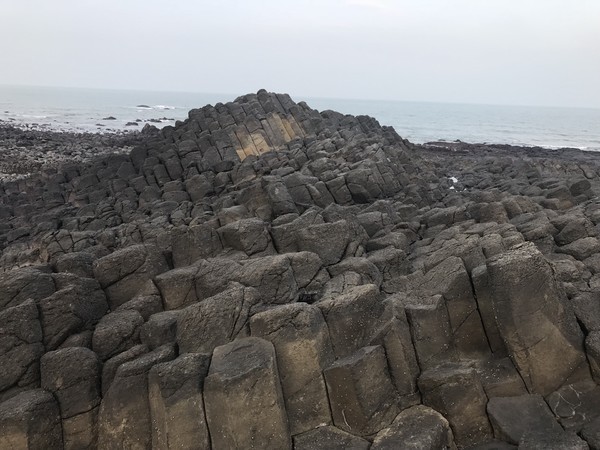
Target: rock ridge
[[264, 275]]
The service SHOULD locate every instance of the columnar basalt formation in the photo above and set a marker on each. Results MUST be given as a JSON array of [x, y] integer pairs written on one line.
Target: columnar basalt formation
[[264, 275]]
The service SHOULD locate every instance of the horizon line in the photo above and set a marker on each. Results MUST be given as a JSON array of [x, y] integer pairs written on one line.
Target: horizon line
[[301, 96]]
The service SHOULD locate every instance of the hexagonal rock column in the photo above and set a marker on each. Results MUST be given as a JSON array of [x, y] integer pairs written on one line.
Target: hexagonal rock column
[[352, 318], [73, 376], [362, 397], [30, 421], [455, 391], [542, 338], [176, 404], [394, 335], [124, 420], [301, 340], [243, 399]]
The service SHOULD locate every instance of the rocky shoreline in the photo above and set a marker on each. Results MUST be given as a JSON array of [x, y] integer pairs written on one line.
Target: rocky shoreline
[[263, 275]]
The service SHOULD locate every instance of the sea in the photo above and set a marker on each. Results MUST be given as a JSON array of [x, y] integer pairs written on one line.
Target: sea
[[101, 110]]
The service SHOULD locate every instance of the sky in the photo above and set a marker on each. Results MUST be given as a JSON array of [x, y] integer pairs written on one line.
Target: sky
[[520, 52]]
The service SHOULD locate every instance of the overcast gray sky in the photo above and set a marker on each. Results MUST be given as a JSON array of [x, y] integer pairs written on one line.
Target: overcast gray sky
[[528, 52]]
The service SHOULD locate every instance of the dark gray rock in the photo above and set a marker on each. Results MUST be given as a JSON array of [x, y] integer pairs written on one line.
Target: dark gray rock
[[124, 273], [109, 370], [176, 402], [536, 440], [419, 428], [116, 332], [362, 405], [581, 248], [19, 285], [20, 346], [124, 419], [70, 310], [247, 235], [216, 321], [243, 399], [330, 438], [80, 264], [301, 340], [30, 420], [513, 417], [73, 376], [541, 336], [160, 329], [455, 391], [352, 318]]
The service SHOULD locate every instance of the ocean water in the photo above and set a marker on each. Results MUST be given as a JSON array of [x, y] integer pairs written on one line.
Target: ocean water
[[85, 110]]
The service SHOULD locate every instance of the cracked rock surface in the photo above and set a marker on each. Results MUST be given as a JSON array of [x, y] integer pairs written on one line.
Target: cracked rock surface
[[264, 275]]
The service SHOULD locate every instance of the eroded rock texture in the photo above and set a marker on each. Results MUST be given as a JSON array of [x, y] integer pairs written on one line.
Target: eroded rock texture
[[264, 275]]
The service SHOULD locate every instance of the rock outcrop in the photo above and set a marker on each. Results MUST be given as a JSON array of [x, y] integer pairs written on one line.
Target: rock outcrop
[[264, 275]]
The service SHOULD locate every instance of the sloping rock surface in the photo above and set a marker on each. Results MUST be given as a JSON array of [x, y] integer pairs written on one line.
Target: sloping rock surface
[[264, 275]]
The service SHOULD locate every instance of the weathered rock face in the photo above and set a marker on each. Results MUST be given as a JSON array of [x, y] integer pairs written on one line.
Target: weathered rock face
[[542, 338], [262, 275], [243, 399]]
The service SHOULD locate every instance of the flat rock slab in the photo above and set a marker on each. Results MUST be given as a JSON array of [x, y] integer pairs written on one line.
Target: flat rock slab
[[512, 417], [330, 438], [416, 428]]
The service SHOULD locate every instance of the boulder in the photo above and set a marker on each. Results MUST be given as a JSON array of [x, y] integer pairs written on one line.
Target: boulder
[[189, 244], [301, 340], [575, 404], [591, 434], [243, 399], [73, 376], [451, 280], [362, 404]]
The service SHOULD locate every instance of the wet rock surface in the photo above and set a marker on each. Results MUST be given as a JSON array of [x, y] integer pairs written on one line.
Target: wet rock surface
[[264, 275]]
